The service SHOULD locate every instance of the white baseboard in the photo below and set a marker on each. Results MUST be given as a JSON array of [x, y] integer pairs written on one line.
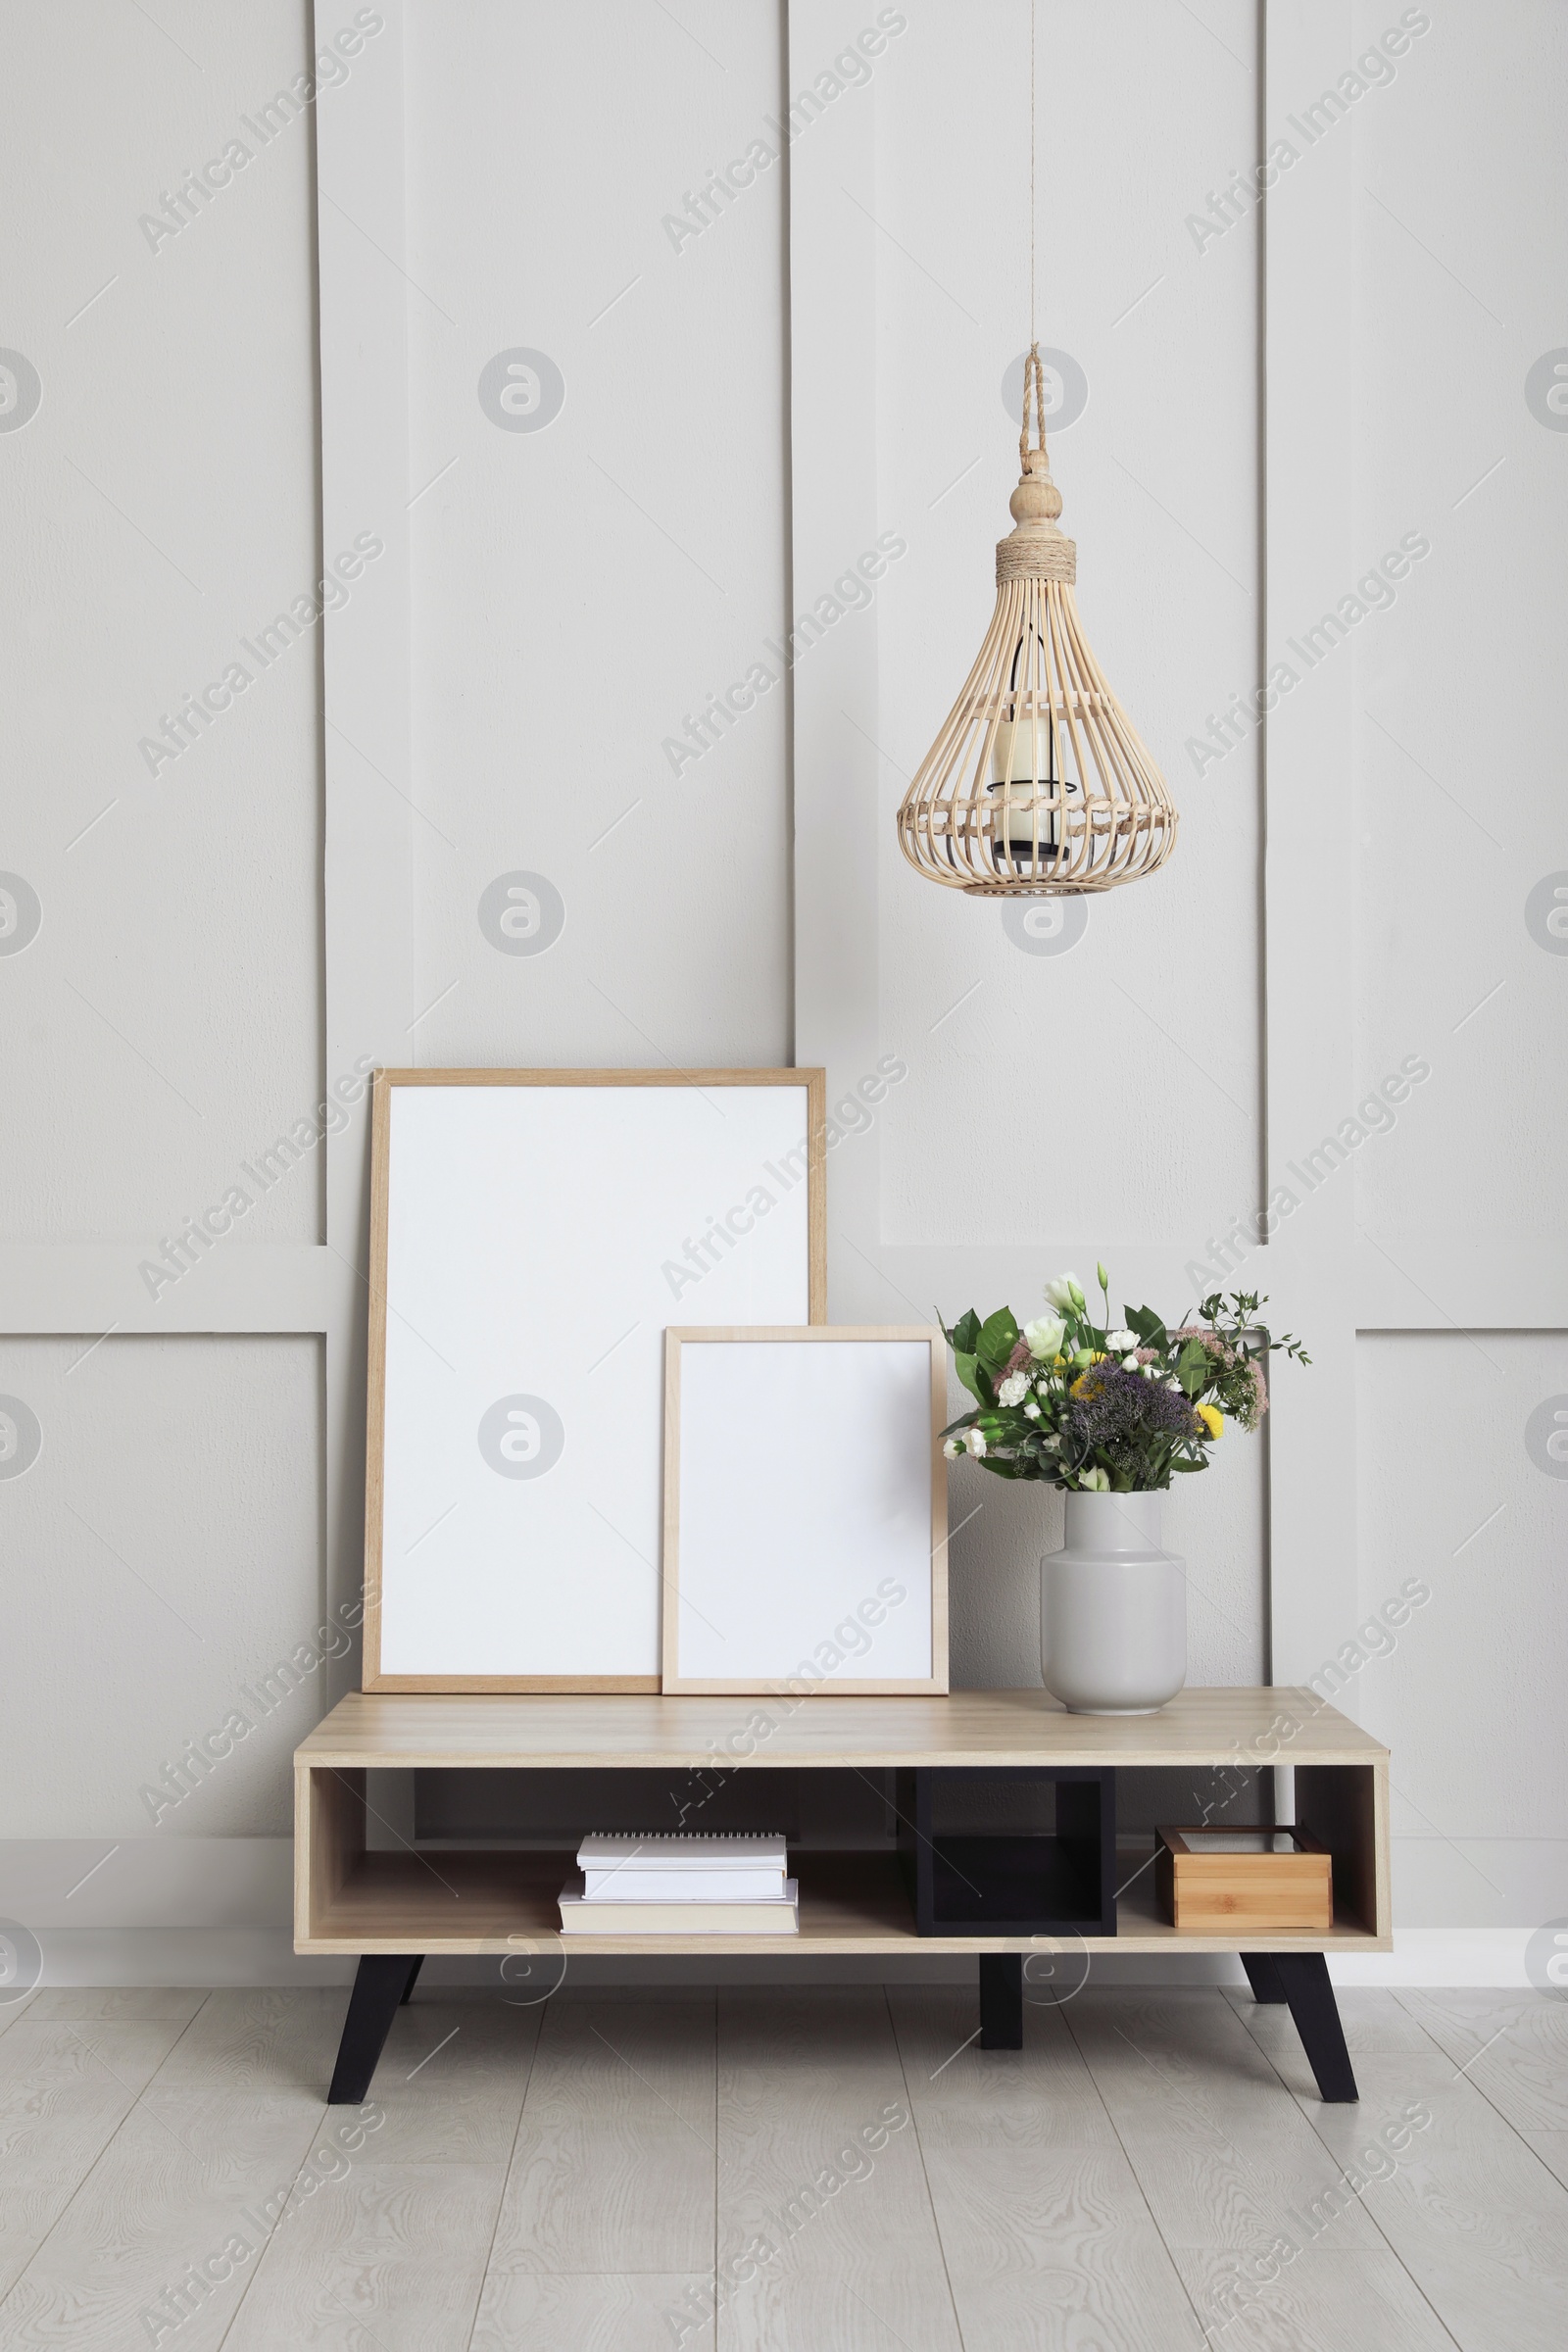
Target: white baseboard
[[1443, 1956], [265, 1955], [205, 1957]]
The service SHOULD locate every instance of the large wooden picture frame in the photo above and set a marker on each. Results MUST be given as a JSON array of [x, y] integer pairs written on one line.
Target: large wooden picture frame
[[532, 1232], [805, 1510]]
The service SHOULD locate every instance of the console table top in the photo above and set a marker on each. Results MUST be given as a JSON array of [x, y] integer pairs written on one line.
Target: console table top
[[498, 1731]]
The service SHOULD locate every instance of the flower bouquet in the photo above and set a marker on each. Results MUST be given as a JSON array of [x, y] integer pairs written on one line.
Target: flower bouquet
[[1110, 1411], [1098, 1407]]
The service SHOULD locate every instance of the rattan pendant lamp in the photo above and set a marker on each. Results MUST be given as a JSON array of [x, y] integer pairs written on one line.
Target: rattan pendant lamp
[[1038, 784]]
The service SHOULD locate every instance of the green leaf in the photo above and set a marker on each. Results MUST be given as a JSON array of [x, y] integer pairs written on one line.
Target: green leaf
[[999, 1335], [1194, 1366], [964, 1366], [1181, 1465], [965, 1334], [1147, 1324]]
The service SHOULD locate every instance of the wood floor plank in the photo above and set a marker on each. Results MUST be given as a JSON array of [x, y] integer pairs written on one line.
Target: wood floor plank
[[130, 2053], [654, 2312], [1045, 2087], [122, 2001], [827, 2044], [614, 2163], [1048, 2237], [1552, 2149], [819, 2189], [1104, 2279], [1246, 2188], [261, 2041], [1169, 2051], [11, 2010], [607, 2192], [51, 2134], [1477, 2218], [616, 2056], [172, 2188], [868, 2301], [1318, 2302], [451, 2083], [1208, 2129], [816, 2160], [1512, 2046], [388, 2255], [1373, 2020]]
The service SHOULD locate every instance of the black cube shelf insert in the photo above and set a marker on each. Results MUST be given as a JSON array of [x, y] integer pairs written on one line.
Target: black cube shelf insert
[[1009, 1882]]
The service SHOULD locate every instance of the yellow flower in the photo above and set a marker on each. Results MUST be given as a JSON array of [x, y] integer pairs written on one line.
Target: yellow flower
[[1212, 1418]]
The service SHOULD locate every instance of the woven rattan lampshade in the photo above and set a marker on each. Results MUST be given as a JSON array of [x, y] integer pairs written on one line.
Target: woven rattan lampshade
[[1038, 784]]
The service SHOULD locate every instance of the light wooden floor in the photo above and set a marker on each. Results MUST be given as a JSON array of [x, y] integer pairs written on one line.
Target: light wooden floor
[[1152, 2169]]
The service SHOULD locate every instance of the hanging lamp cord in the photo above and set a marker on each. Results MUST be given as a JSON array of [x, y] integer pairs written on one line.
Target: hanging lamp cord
[[1034, 373]]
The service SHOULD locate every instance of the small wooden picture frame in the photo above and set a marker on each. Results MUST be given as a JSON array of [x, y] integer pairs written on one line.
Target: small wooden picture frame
[[1274, 1880], [806, 1517]]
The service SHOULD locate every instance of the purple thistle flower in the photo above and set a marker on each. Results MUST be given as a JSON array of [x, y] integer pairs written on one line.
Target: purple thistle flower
[[1111, 1406]]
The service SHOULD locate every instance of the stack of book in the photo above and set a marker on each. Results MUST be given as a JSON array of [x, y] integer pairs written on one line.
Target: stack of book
[[722, 1884]]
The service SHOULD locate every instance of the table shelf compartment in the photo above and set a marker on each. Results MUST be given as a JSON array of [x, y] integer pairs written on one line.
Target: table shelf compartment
[[441, 1899], [967, 1876]]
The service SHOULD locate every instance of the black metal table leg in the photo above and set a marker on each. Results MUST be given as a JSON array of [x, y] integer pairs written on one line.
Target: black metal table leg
[[1304, 1978], [1263, 1975], [1002, 2000], [378, 1988], [413, 1979]]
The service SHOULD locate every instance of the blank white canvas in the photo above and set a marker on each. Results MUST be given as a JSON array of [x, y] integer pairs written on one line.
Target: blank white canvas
[[805, 1477], [536, 1248]]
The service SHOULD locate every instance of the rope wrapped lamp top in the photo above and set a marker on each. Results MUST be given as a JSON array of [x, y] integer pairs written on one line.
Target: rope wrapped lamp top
[[1038, 784]]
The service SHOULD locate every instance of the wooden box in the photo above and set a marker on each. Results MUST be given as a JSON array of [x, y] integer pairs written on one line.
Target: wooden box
[[1258, 1880]]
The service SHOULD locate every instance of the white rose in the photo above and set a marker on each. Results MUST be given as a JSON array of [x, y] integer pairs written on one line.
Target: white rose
[[1031, 1412], [1129, 1363], [1044, 1338], [974, 1444], [1013, 1390], [951, 1448], [1118, 1343]]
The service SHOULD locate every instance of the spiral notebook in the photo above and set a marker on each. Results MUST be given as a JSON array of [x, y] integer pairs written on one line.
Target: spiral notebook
[[721, 1866]]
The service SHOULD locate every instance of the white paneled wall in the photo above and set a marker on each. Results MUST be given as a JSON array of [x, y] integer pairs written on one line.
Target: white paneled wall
[[160, 509], [1465, 1693], [521, 691], [163, 1559], [1459, 796], [581, 590]]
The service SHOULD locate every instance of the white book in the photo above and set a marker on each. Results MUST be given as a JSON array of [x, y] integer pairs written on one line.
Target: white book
[[661, 1850], [629, 1883], [776, 1917]]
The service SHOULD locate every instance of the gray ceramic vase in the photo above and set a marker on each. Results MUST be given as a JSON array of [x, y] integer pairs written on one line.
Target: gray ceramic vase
[[1113, 1609]]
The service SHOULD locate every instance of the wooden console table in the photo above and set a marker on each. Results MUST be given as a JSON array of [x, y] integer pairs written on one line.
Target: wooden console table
[[389, 1910]]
